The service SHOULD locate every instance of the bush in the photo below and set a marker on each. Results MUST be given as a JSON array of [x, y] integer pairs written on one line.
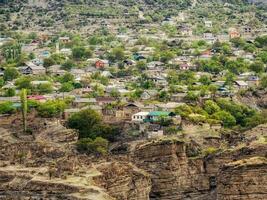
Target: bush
[[51, 108], [96, 146], [6, 108], [89, 124], [226, 118], [209, 151]]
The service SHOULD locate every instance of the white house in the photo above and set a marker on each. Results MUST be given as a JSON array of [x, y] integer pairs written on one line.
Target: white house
[[139, 117]]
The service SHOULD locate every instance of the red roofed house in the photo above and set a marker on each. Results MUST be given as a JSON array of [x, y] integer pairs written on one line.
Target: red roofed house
[[234, 34], [184, 66], [39, 98], [101, 64]]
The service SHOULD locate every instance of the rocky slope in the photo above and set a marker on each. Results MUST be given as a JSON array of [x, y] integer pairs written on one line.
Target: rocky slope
[[165, 169]]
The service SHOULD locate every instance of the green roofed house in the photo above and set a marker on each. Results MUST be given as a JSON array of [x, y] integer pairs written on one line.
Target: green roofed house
[[156, 115]]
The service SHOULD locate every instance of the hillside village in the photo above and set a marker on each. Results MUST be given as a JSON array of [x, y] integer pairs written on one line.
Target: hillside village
[[127, 72], [128, 76]]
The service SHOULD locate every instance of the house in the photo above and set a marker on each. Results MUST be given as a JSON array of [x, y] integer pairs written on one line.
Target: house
[[159, 80], [66, 51], [149, 94], [169, 107], [247, 30], [64, 39], [184, 67], [140, 116], [33, 69], [106, 74], [78, 73], [206, 54], [105, 100], [155, 116], [39, 98], [152, 134], [56, 70], [68, 112], [241, 84], [208, 24], [81, 102], [179, 97], [129, 62], [101, 64], [209, 37], [155, 65], [2, 71], [234, 34], [253, 81], [129, 109], [186, 31]]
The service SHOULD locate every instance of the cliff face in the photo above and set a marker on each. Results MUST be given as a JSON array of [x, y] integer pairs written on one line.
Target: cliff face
[[173, 175], [243, 180], [124, 181], [176, 176], [157, 170]]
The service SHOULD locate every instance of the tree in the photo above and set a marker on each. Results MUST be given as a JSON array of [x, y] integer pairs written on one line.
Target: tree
[[24, 108], [117, 54], [44, 88], [67, 77], [31, 56], [88, 145], [88, 123], [23, 82], [66, 87], [191, 96], [226, 118], [10, 92], [52, 108], [2, 82], [68, 65], [85, 121], [6, 108], [263, 82], [10, 73], [211, 107], [79, 53], [205, 80], [263, 56], [257, 67], [48, 62], [114, 93], [141, 65]]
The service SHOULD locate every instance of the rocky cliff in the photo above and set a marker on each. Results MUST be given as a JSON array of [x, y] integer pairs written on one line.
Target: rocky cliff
[[164, 169], [175, 175]]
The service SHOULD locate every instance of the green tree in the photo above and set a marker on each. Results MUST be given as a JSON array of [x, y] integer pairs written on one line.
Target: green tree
[[66, 87], [97, 146], [68, 65], [24, 108], [10, 73], [85, 121], [226, 118], [23, 82], [48, 62], [51, 108], [79, 53], [211, 107], [10, 92], [257, 67], [6, 108], [44, 88], [205, 80], [88, 123], [2, 82], [263, 82], [67, 77]]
